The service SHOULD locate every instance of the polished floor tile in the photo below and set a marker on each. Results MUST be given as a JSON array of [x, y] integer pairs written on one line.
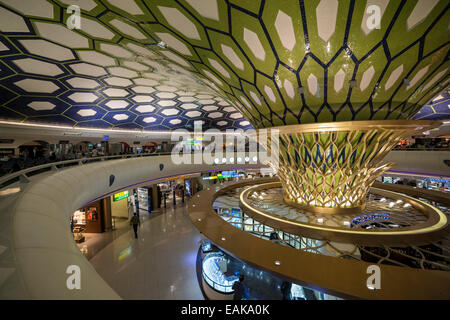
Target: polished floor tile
[[160, 264]]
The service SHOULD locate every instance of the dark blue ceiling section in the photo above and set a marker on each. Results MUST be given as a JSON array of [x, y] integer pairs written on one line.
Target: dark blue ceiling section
[[437, 109]]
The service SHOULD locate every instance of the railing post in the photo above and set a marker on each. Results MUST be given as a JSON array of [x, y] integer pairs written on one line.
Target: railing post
[[23, 178]]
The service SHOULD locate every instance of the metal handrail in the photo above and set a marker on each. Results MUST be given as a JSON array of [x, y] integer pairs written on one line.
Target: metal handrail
[[22, 174]]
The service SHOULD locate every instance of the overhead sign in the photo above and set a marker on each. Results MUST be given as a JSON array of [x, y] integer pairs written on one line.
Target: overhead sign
[[120, 195]]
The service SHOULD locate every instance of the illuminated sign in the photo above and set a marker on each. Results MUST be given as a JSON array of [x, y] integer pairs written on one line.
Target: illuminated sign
[[224, 175], [120, 195]]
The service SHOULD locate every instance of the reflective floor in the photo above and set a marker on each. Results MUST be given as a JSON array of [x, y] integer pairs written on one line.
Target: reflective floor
[[160, 264]]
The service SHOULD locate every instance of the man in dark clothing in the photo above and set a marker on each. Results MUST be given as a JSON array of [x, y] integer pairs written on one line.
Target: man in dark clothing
[[286, 290], [135, 222], [240, 291]]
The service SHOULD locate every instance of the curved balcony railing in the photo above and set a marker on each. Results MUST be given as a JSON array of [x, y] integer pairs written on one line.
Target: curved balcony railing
[[24, 174]]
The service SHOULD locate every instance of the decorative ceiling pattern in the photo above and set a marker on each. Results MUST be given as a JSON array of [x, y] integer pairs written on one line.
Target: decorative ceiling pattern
[[437, 109], [162, 64]]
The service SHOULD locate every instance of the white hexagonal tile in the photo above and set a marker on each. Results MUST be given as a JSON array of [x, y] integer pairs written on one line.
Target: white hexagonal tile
[[215, 115], [138, 49], [88, 69], [254, 44], [95, 29], [172, 56], [216, 65], [174, 43], [97, 58], [244, 101], [42, 105], [11, 22], [112, 92], [193, 114], [419, 75], [129, 6], [149, 119], [145, 82], [38, 8], [175, 121], [38, 86], [119, 82], [326, 14], [145, 108], [289, 88], [236, 115], [166, 88], [232, 56], [210, 108], [115, 50], [285, 30], [244, 123], [420, 12], [83, 83], [270, 94], [188, 106], [312, 84], [165, 95], [142, 99], [122, 72], [204, 96], [206, 8], [167, 103], [117, 104], [255, 98], [135, 65], [47, 49], [185, 93], [223, 103], [82, 97], [393, 77], [143, 89], [212, 77], [180, 22], [61, 34], [187, 99], [3, 47], [222, 123], [339, 79], [87, 112], [170, 112], [367, 78], [121, 117], [30, 65], [433, 80], [229, 109], [206, 101], [127, 29], [86, 5]]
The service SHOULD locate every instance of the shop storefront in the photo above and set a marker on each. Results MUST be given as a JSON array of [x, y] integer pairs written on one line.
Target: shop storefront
[[93, 218]]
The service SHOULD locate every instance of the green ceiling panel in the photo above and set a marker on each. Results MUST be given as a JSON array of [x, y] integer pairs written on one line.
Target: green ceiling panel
[[173, 58]]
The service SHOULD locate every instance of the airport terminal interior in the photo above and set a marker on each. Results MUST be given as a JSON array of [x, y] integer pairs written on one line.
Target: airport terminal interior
[[224, 150]]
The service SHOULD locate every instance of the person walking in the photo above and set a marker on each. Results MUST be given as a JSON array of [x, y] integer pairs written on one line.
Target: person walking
[[286, 290], [135, 222], [240, 290]]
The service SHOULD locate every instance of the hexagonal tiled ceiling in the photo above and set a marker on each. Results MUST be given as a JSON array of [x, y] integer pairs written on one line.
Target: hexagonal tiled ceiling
[[163, 64]]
